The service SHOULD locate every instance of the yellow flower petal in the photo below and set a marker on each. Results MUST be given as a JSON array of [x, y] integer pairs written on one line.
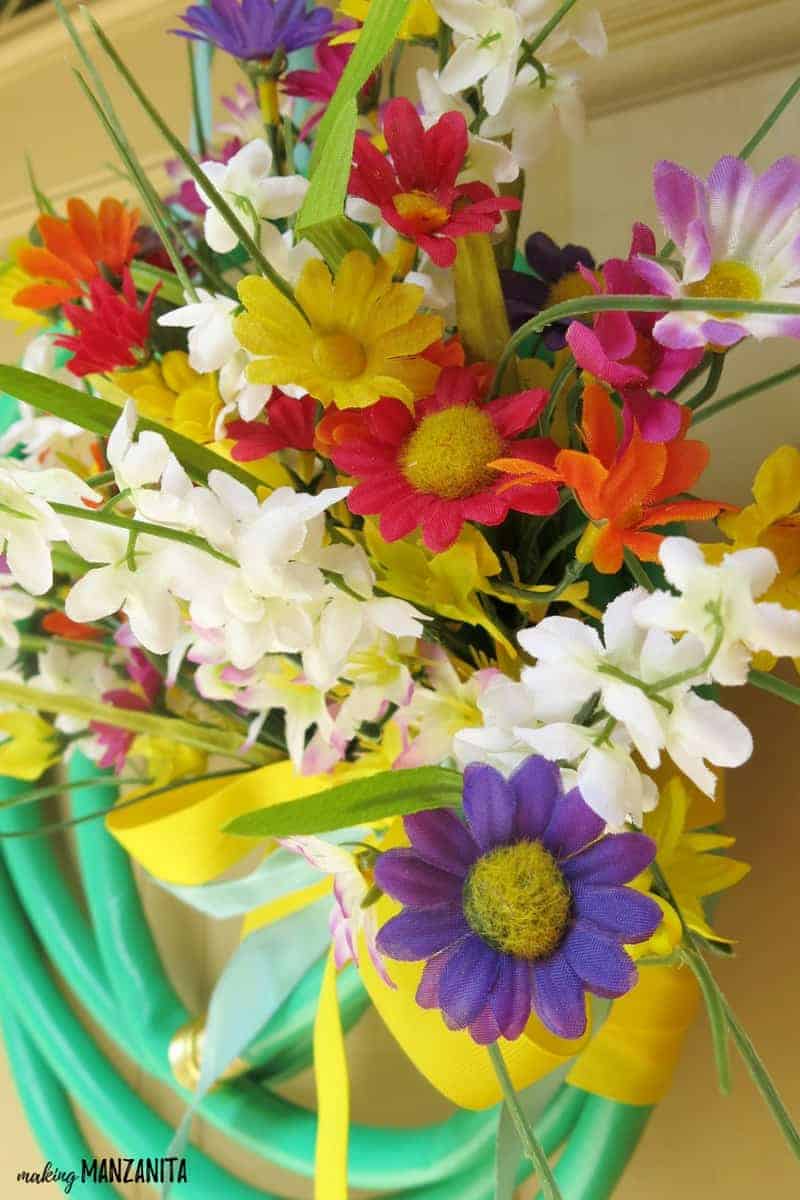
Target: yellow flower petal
[[776, 487]]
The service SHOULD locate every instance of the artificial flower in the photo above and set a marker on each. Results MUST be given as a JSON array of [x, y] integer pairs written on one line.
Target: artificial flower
[[582, 25], [352, 879], [209, 320], [488, 161], [74, 249], [28, 525], [246, 182], [488, 37], [319, 85], [718, 604], [689, 857], [289, 425], [15, 605], [136, 462], [245, 121], [772, 521], [624, 488], [619, 348], [352, 340], [555, 277], [417, 193], [430, 469], [175, 395], [167, 761], [641, 679], [82, 670], [29, 745], [523, 908], [737, 235], [12, 281], [531, 114], [255, 30], [444, 703], [112, 331], [420, 20]]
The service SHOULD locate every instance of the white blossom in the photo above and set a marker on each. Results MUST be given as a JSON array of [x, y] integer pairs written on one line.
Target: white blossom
[[209, 320], [532, 114], [488, 37], [249, 188], [488, 161]]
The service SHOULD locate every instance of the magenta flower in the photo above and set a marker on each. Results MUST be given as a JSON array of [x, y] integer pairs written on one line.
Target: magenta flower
[[318, 86], [522, 908], [620, 349], [115, 741], [739, 238]]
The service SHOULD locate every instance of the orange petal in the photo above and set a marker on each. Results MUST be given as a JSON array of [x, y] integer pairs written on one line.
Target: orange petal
[[634, 476], [38, 261], [117, 227], [60, 238], [680, 510], [644, 545], [534, 472], [686, 462], [586, 476], [46, 295], [86, 227], [599, 424], [608, 550]]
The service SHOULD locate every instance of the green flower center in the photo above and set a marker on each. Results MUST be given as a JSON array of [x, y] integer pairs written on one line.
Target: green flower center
[[727, 280], [517, 900], [339, 356], [449, 452]]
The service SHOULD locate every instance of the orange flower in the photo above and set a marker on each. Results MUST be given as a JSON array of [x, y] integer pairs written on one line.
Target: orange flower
[[74, 248], [623, 488], [58, 623]]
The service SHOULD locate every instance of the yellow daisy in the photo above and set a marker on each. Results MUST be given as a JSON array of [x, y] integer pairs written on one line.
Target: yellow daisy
[[352, 340], [420, 20], [175, 395]]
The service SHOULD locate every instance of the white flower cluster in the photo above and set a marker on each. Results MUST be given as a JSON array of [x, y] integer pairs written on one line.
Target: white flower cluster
[[593, 704]]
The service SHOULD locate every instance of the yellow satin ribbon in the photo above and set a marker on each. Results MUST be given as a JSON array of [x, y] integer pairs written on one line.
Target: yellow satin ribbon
[[333, 1092], [177, 837]]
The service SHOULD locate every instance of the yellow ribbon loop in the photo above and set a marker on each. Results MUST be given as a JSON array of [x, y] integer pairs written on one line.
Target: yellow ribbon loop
[[333, 1092]]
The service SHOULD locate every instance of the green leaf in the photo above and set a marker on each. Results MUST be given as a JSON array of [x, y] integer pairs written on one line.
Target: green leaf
[[100, 416], [146, 276], [330, 162], [388, 794], [337, 237]]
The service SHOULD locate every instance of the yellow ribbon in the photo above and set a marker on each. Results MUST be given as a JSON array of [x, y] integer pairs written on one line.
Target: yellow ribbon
[[333, 1092]]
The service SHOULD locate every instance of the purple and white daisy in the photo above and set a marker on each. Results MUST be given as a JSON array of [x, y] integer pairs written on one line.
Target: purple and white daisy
[[256, 29], [739, 237], [522, 908]]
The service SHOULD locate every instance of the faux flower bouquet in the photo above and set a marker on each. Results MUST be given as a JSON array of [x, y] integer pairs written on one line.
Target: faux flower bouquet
[[342, 521]]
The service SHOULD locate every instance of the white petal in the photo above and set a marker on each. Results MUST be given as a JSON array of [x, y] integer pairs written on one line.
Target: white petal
[[680, 557], [28, 557], [638, 714], [776, 629], [99, 594], [757, 566], [557, 638], [619, 628]]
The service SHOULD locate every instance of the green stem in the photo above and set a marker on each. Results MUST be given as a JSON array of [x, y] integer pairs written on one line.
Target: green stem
[[98, 480], [214, 196], [637, 571], [583, 305], [711, 384], [145, 527], [776, 687], [547, 29], [547, 596], [762, 1079], [528, 1139], [202, 737], [37, 642], [58, 789], [567, 539], [745, 393], [197, 116], [716, 1013]]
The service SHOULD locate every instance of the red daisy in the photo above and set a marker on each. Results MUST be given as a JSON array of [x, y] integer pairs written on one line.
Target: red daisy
[[289, 426], [111, 331], [417, 192], [431, 469]]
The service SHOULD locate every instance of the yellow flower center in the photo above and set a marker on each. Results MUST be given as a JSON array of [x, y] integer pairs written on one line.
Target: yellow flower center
[[727, 280], [568, 287], [449, 452], [517, 900], [339, 356], [426, 213]]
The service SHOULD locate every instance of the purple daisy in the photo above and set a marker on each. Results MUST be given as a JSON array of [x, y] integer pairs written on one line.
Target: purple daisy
[[739, 237], [522, 908], [256, 29], [557, 277]]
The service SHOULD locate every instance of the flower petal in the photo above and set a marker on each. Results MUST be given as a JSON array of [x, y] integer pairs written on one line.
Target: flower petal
[[419, 933], [599, 961], [414, 882], [572, 826], [558, 997], [441, 839], [618, 858], [511, 998], [537, 787], [489, 806], [467, 981], [622, 911]]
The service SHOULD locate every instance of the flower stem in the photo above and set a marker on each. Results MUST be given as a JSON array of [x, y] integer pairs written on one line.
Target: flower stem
[[711, 384], [547, 29], [528, 1139], [777, 687], [659, 304], [745, 393], [202, 737], [141, 527], [557, 547], [638, 572], [716, 1013], [762, 1079]]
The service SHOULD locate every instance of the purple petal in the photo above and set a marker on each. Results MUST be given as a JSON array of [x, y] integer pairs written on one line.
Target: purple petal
[[413, 881], [489, 806], [467, 981], [484, 1030], [662, 281], [618, 858], [774, 200], [428, 989], [573, 825], [658, 417], [511, 998], [723, 333], [729, 187], [418, 933], [558, 997], [680, 197], [599, 961], [697, 252], [537, 787], [623, 911], [679, 331], [442, 839]]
